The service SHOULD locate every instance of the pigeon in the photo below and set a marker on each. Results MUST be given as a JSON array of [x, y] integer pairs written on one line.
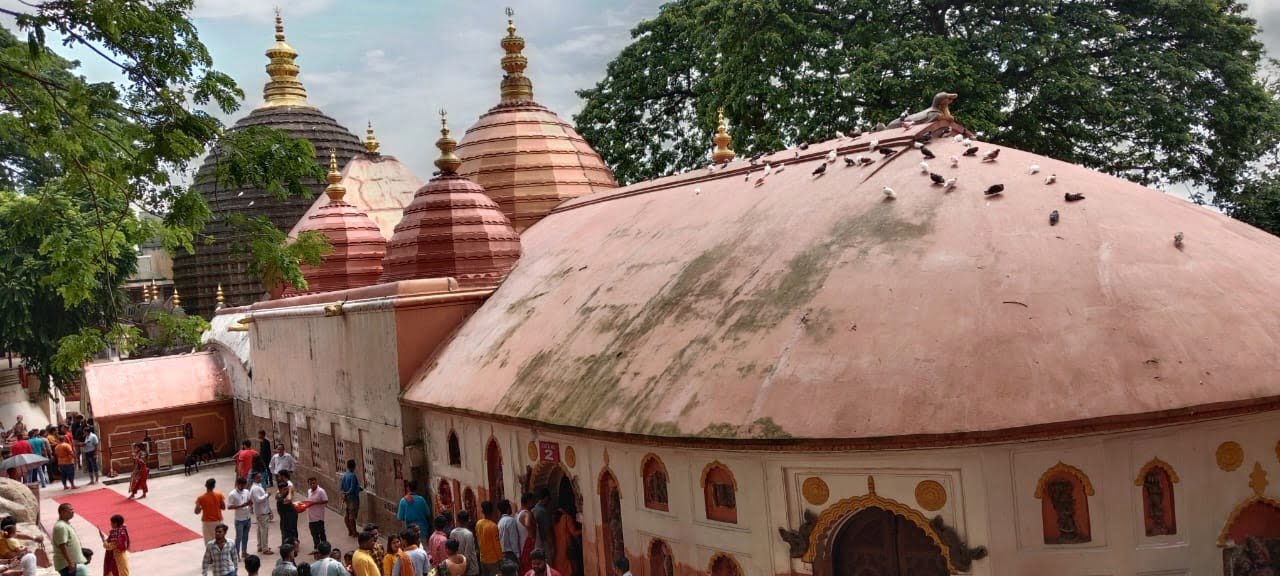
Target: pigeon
[[251, 202], [878, 127], [904, 114], [888, 193], [849, 161], [926, 138], [755, 159], [1177, 240], [958, 139], [1053, 218], [924, 167], [951, 184], [820, 170], [779, 169], [887, 151], [955, 161], [1032, 169], [907, 124], [937, 178], [946, 131], [240, 194], [874, 144], [711, 167], [759, 181], [1050, 179], [991, 156], [697, 191], [993, 189], [797, 154], [970, 151], [831, 156], [804, 145], [927, 152], [748, 178], [966, 142], [917, 144], [1073, 197], [435, 173], [856, 133], [864, 160], [839, 135]]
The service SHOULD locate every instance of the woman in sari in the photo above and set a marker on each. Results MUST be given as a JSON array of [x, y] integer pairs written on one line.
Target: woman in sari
[[566, 530], [116, 545], [138, 480]]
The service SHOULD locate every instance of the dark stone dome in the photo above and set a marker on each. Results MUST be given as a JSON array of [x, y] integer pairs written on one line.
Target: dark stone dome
[[197, 275]]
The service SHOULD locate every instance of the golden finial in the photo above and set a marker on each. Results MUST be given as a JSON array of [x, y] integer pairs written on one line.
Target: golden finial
[[722, 139], [335, 191], [283, 89], [221, 300], [155, 291], [448, 162], [1258, 479], [515, 85], [370, 141], [177, 300], [146, 293], [871, 485]]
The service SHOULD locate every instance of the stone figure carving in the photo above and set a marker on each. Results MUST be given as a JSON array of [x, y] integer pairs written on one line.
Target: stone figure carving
[[1250, 559], [656, 486], [798, 539], [723, 495], [1062, 497], [962, 556], [940, 110], [1154, 488]]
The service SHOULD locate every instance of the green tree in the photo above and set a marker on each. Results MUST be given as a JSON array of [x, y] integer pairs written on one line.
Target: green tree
[[80, 162], [1157, 91]]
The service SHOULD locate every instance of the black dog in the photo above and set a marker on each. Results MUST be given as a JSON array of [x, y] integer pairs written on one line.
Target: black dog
[[204, 452], [192, 464]]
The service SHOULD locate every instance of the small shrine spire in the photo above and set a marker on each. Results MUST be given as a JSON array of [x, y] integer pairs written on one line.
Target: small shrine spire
[[516, 86], [722, 139], [177, 300], [283, 89], [448, 162], [146, 292], [221, 300], [370, 141], [335, 191], [155, 291]]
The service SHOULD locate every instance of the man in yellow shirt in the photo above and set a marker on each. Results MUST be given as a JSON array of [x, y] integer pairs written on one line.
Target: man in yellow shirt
[[362, 563], [66, 463], [488, 542]]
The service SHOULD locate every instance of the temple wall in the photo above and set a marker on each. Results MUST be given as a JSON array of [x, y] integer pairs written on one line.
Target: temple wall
[[987, 494]]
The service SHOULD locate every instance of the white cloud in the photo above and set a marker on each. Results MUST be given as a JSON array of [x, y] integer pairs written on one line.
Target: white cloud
[[256, 10]]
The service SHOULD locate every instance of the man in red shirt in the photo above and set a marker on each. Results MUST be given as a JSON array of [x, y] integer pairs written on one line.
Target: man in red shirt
[[244, 459], [20, 447]]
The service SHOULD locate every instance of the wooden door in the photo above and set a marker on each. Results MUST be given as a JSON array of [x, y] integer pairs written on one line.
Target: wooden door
[[876, 542]]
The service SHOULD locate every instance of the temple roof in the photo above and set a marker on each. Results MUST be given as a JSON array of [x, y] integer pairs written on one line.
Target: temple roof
[[378, 185], [701, 306], [452, 229], [151, 384], [357, 245], [525, 156]]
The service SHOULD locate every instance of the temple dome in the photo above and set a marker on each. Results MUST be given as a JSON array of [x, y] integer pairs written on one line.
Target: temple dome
[[452, 229], [358, 245], [525, 156], [285, 108], [701, 307]]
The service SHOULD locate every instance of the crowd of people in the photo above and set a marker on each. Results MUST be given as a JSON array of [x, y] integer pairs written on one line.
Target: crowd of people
[[66, 447]]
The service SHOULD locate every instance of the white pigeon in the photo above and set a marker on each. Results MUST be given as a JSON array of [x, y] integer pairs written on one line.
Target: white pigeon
[[779, 169], [1033, 169], [959, 138], [888, 193], [954, 161], [951, 183], [839, 135], [874, 144], [917, 144], [767, 170], [924, 167], [967, 142], [711, 167], [251, 202], [1050, 179], [697, 191], [240, 194], [831, 156]]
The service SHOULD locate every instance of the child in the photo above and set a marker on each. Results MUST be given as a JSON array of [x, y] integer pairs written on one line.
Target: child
[[116, 545], [83, 569]]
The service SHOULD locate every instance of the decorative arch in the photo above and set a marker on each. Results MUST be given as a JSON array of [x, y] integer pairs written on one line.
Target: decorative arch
[[723, 564], [469, 503], [611, 520], [1156, 479], [720, 493], [1257, 515], [661, 561], [493, 469], [455, 449], [1064, 492], [444, 494], [834, 517], [654, 479]]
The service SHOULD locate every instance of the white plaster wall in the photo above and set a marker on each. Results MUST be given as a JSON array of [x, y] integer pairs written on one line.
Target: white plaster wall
[[991, 499]]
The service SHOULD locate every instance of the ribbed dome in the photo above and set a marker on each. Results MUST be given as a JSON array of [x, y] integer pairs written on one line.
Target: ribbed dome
[[358, 246], [525, 156]]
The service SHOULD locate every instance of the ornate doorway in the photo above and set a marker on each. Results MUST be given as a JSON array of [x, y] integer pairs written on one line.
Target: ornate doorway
[[611, 518], [493, 465], [877, 542]]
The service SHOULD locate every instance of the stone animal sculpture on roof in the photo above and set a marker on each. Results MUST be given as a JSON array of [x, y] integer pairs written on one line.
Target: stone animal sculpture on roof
[[938, 111]]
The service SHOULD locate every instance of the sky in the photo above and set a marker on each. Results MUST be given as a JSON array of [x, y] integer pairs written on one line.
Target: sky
[[397, 62]]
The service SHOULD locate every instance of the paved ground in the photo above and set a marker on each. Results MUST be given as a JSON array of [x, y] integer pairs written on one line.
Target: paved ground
[[174, 497]]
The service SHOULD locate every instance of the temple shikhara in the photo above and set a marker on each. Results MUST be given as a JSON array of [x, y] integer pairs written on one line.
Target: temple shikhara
[[762, 367]]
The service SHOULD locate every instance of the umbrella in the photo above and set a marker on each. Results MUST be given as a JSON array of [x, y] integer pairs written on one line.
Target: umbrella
[[23, 462]]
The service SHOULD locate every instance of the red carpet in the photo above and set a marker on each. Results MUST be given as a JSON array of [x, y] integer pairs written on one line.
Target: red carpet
[[147, 528]]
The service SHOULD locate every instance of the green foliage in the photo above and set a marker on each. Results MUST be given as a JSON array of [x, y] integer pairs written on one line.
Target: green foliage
[[272, 257], [176, 330], [1157, 91], [81, 162]]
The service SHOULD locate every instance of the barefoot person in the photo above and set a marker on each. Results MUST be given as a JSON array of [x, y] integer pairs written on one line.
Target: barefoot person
[[138, 479], [116, 544]]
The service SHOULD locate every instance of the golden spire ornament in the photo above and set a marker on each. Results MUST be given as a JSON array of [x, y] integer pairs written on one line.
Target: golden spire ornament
[[722, 139], [155, 291], [146, 292], [177, 300], [370, 141], [516, 86], [448, 162], [221, 300], [335, 191], [283, 89]]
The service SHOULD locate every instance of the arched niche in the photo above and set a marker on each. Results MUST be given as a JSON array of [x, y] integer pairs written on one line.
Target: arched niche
[[654, 480], [1064, 491], [1156, 479], [661, 561], [455, 449], [611, 520], [493, 469], [722, 564], [720, 493]]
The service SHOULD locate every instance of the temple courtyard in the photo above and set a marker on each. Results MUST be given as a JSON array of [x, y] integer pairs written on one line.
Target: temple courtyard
[[174, 498]]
